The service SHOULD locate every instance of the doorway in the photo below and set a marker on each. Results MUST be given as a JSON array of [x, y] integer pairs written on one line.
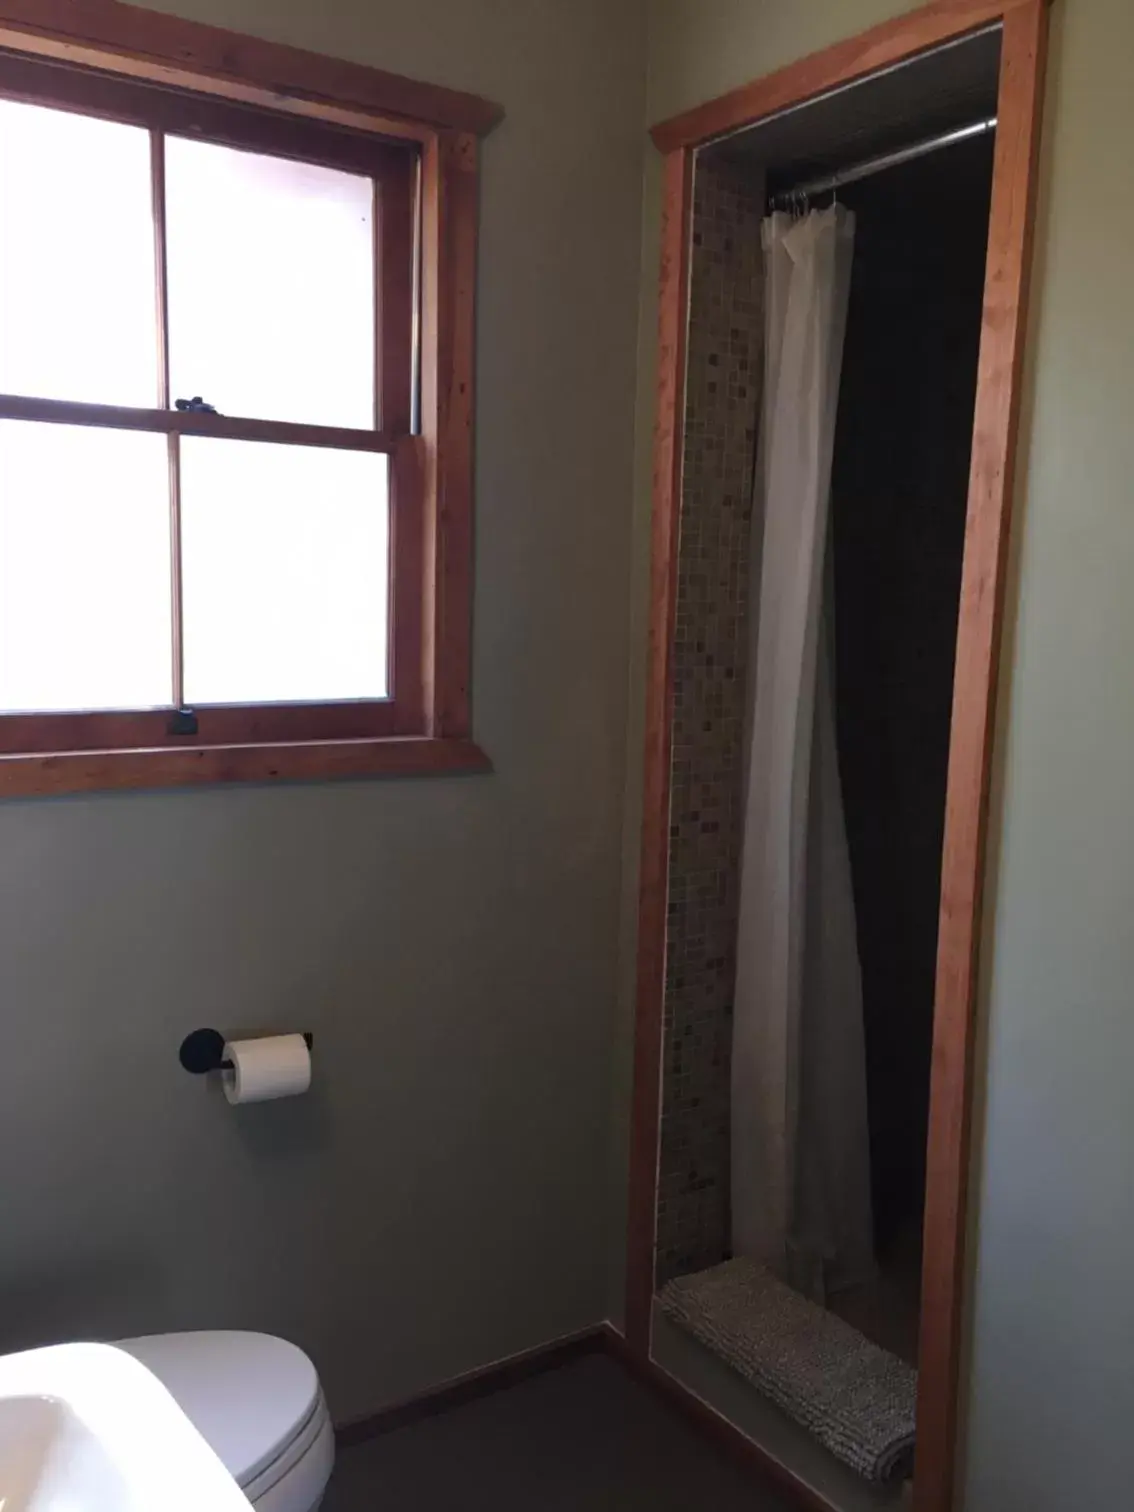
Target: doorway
[[865, 97]]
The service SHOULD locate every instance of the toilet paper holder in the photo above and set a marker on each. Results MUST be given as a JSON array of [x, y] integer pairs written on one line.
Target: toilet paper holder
[[203, 1051]]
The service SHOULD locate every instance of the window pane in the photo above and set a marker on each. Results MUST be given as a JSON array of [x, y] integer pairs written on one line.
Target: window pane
[[271, 285], [77, 304], [284, 571], [84, 568]]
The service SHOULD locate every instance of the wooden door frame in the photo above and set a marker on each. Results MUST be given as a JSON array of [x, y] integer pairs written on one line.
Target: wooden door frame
[[995, 426]]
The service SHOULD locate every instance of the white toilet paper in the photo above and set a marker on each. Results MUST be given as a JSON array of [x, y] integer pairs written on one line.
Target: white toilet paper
[[276, 1066]]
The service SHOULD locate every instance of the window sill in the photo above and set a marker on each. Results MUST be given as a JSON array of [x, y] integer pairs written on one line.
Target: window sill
[[25, 776]]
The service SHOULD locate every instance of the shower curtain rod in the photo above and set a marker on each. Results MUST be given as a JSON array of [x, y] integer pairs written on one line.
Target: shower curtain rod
[[785, 198]]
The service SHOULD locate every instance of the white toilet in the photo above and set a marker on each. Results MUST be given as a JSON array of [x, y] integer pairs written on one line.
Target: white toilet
[[258, 1402]]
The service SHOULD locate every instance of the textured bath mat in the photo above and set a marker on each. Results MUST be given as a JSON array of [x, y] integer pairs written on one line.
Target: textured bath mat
[[855, 1398]]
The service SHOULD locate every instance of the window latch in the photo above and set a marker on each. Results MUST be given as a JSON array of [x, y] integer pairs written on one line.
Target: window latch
[[194, 406], [182, 722]]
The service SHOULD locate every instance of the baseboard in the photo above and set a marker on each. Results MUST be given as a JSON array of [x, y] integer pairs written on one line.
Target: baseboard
[[475, 1383], [603, 1339]]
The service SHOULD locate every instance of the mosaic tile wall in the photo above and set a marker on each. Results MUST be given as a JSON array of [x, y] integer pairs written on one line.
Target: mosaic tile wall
[[723, 392]]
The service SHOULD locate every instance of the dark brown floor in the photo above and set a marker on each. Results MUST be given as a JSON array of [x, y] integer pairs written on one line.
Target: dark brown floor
[[584, 1438]]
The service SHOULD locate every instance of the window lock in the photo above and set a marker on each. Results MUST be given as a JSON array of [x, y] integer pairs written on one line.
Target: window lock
[[182, 722]]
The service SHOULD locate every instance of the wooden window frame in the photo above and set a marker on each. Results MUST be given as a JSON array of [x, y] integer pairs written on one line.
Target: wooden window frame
[[420, 145], [992, 472]]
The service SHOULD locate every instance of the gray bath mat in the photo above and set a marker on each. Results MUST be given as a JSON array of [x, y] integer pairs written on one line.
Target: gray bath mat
[[856, 1399]]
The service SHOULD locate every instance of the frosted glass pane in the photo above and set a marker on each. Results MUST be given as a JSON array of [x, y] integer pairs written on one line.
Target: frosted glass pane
[[284, 569], [84, 569], [271, 285], [77, 306]]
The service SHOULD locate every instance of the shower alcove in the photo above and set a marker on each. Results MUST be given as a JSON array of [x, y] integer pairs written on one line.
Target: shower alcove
[[923, 133]]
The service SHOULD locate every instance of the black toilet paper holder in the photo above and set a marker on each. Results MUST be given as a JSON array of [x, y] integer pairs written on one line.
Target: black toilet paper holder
[[203, 1051]]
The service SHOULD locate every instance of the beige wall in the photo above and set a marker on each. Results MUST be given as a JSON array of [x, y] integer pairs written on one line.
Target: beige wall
[[1052, 1390], [437, 1202]]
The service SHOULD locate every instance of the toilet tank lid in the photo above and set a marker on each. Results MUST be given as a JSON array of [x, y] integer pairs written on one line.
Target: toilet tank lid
[[248, 1394]]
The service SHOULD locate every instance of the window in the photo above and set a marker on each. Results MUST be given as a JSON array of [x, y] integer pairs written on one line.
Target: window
[[233, 530]]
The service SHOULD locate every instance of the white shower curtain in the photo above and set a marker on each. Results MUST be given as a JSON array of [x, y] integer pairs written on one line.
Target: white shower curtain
[[800, 1144]]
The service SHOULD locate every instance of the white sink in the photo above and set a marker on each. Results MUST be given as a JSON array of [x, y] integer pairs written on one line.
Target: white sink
[[87, 1428]]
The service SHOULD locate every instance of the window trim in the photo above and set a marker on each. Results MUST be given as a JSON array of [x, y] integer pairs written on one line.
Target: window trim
[[346, 111]]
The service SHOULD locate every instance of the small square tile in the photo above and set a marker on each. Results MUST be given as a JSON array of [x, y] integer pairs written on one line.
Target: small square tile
[[710, 655]]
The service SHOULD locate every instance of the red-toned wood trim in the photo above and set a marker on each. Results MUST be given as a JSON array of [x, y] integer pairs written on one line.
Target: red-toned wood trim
[[161, 270], [883, 45], [394, 246], [995, 427], [200, 116], [432, 358], [235, 724], [173, 444], [176, 570], [149, 38], [407, 572], [472, 1386], [90, 771], [653, 879], [449, 220], [991, 482], [190, 423]]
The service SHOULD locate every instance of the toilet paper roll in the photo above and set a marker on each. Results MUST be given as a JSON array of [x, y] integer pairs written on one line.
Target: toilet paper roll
[[277, 1066]]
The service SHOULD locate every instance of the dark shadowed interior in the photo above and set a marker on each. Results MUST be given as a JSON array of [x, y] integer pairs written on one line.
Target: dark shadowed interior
[[899, 493]]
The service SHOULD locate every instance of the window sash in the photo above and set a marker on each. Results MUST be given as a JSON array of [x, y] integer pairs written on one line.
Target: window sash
[[194, 423], [245, 724], [180, 112], [401, 712], [395, 172]]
